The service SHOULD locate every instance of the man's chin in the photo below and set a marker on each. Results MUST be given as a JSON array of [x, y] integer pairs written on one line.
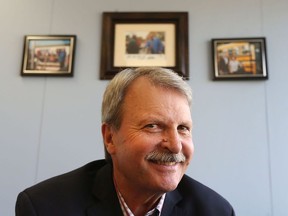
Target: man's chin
[[166, 186]]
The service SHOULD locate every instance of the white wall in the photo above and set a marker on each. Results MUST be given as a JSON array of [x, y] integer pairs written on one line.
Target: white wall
[[52, 125]]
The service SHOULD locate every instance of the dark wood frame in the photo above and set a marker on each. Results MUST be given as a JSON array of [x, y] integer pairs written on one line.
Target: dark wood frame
[[256, 63], [27, 70], [110, 19]]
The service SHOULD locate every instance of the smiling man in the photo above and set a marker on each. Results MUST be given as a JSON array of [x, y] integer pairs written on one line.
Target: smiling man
[[147, 133]]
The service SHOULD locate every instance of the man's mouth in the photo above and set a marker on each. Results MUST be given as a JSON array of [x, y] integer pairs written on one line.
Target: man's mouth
[[164, 163]]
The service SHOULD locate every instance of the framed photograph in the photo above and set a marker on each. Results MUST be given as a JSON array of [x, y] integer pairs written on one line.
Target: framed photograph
[[239, 58], [137, 39], [50, 55]]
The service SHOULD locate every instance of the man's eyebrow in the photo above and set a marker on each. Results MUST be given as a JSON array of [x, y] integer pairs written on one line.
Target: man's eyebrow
[[151, 118]]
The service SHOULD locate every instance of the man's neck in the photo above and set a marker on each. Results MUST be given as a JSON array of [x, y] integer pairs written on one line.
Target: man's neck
[[139, 202]]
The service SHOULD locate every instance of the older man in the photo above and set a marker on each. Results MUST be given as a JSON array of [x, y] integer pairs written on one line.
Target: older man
[[146, 128]]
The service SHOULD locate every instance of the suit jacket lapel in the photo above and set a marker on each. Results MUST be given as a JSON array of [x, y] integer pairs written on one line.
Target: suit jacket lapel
[[107, 202], [170, 207]]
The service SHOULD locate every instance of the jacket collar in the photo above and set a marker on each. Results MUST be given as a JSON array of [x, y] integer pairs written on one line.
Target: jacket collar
[[106, 198], [170, 204]]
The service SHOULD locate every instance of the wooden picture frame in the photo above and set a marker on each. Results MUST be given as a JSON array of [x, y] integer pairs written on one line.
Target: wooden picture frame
[[48, 55], [239, 58], [135, 39]]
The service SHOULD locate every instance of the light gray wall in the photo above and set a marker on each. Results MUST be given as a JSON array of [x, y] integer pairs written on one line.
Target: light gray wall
[[52, 125]]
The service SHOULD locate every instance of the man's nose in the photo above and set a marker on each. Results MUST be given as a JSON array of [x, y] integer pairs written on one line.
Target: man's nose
[[172, 141]]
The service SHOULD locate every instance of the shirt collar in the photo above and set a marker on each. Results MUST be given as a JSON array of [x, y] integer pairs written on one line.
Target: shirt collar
[[126, 210]]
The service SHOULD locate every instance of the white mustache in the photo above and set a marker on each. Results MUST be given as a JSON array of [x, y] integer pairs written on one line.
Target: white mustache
[[166, 157]]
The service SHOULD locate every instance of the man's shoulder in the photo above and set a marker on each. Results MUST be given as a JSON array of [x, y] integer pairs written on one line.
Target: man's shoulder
[[188, 184], [72, 181], [204, 199], [66, 194]]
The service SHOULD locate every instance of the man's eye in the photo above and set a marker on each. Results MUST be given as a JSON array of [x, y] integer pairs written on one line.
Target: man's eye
[[183, 128], [151, 126]]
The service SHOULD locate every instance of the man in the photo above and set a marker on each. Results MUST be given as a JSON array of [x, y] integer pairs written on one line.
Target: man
[[223, 63], [146, 128]]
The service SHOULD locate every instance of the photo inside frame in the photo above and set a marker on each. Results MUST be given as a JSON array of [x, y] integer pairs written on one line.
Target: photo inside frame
[[139, 45]]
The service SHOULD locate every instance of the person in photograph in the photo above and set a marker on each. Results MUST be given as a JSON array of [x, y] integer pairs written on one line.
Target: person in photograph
[[132, 45], [223, 62], [147, 134], [154, 44], [62, 58], [234, 65]]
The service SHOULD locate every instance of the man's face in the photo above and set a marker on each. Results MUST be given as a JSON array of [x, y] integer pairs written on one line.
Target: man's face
[[150, 115]]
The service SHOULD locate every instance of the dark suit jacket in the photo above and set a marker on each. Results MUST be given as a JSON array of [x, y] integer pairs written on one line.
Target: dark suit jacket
[[90, 191]]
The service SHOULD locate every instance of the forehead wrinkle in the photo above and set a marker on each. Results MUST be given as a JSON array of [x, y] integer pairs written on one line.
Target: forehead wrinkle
[[134, 102]]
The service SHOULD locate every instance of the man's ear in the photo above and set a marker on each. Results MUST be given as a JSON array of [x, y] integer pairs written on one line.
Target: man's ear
[[107, 134]]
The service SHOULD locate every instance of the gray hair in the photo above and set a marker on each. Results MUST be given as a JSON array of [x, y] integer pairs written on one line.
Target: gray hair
[[116, 90]]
